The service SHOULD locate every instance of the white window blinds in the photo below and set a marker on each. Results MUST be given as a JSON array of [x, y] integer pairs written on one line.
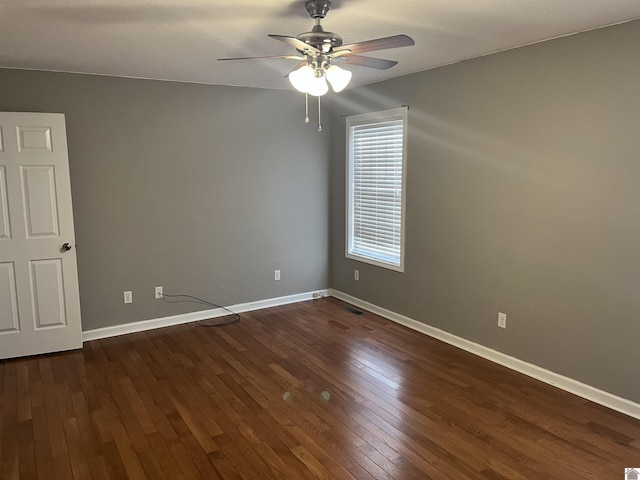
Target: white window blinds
[[376, 187]]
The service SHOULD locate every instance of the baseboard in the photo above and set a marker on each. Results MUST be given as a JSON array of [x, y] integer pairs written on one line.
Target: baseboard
[[564, 383], [144, 325]]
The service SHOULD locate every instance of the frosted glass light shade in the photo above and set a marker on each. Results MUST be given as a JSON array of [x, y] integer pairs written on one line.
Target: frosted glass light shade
[[338, 77], [318, 86], [302, 78]]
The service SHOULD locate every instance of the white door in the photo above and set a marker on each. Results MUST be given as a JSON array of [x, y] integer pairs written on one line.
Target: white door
[[39, 300]]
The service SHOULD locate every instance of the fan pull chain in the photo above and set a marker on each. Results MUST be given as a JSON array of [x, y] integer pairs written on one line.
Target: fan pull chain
[[306, 108], [319, 117]]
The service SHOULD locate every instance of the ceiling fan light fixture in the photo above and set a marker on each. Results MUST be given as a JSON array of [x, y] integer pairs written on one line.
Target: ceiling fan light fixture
[[338, 77]]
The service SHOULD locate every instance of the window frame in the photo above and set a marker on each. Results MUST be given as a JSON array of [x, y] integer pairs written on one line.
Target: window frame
[[364, 119]]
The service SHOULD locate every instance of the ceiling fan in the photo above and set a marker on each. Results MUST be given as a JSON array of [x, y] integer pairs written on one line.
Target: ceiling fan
[[317, 51]]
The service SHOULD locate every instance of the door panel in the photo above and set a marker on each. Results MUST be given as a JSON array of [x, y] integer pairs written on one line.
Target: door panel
[[39, 299], [34, 139], [40, 200], [47, 293], [8, 300], [5, 226]]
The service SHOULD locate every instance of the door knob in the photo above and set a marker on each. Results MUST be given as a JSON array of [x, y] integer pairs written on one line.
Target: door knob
[[66, 247]]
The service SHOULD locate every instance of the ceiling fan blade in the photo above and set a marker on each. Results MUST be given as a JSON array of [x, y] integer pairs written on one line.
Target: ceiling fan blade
[[378, 63], [287, 57], [395, 41], [295, 43], [338, 53]]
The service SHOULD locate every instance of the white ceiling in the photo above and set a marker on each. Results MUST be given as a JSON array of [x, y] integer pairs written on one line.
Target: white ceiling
[[180, 40]]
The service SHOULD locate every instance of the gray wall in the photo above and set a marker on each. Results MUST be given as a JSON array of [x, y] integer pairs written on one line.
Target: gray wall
[[204, 190], [523, 197]]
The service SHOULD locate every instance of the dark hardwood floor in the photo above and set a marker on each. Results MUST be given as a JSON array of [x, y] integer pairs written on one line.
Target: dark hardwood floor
[[301, 391]]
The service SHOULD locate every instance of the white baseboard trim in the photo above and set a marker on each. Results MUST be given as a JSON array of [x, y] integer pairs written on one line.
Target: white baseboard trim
[[144, 325], [588, 392]]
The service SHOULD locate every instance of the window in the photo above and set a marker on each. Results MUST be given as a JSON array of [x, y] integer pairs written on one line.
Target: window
[[376, 165]]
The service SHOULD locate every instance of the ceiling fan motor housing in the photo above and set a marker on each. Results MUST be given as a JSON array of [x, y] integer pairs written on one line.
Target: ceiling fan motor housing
[[320, 39]]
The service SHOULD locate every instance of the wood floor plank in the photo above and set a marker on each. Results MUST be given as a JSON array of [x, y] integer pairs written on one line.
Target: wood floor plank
[[126, 450], [61, 468], [113, 461], [98, 469], [43, 454], [86, 428], [24, 397], [301, 391], [9, 455], [163, 456], [27, 461]]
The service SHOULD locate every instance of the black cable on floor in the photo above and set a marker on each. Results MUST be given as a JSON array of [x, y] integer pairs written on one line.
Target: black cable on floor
[[207, 323]]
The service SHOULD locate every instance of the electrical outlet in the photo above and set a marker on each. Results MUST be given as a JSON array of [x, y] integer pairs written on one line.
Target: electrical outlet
[[158, 292], [502, 320], [128, 296], [318, 295], [356, 275], [276, 275]]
